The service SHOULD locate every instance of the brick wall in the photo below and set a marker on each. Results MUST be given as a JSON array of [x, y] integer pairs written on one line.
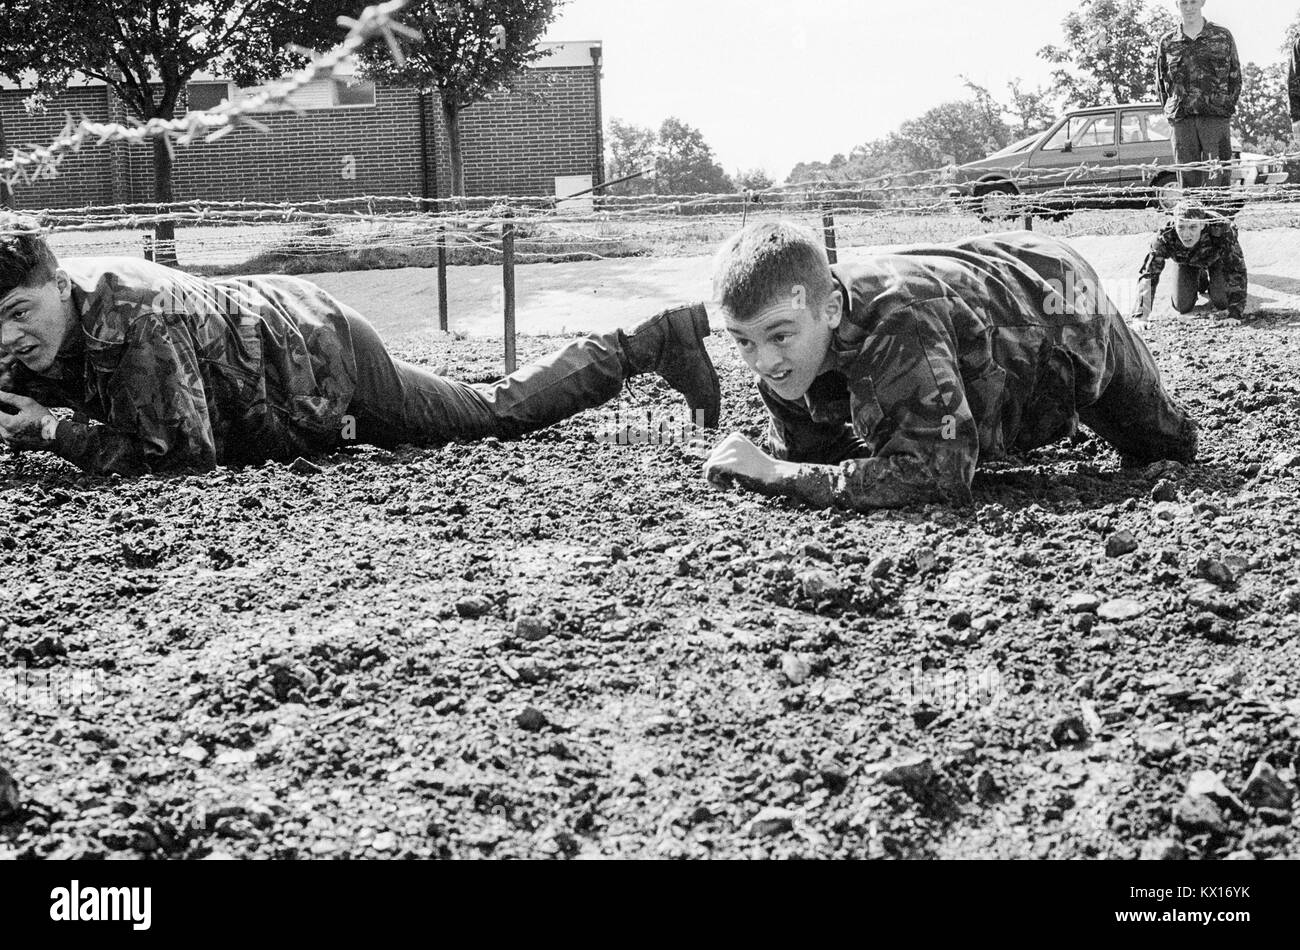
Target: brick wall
[[518, 144], [301, 157], [514, 144], [83, 178]]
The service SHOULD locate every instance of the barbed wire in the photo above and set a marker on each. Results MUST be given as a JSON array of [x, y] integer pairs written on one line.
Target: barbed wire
[[374, 21]]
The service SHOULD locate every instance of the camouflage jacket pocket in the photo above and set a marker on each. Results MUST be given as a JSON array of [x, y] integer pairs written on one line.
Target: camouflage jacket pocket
[[1049, 413], [866, 412], [986, 395]]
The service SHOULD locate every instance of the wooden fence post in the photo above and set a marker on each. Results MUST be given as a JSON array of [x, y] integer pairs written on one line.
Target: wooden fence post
[[508, 285], [828, 230], [442, 280]]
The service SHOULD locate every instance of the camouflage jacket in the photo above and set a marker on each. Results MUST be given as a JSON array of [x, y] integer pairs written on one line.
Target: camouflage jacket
[[1217, 248], [1200, 76], [185, 372], [946, 357], [1293, 81]]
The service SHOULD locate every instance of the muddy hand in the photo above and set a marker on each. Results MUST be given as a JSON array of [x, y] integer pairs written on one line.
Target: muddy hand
[[737, 459], [8, 365]]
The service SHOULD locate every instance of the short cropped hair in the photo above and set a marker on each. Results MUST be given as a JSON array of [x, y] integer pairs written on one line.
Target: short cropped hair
[[764, 263], [1189, 209], [25, 259]]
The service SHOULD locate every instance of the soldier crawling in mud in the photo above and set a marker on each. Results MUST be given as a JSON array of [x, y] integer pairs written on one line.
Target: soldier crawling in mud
[[167, 371], [888, 381], [1207, 259]]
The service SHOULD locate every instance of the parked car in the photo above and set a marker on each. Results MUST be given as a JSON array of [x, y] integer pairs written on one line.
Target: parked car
[[1090, 158]]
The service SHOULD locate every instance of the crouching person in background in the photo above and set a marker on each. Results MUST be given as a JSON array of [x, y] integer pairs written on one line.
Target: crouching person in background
[[1207, 260]]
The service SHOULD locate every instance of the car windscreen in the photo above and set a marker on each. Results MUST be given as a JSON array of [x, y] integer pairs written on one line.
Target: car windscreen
[[1083, 131], [1014, 148]]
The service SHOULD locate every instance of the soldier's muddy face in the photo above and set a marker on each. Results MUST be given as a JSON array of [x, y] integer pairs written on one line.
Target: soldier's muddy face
[[1189, 230], [787, 342], [34, 321]]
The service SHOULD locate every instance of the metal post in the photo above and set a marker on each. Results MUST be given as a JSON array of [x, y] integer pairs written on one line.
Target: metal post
[[828, 230], [148, 247], [442, 280], [508, 285]]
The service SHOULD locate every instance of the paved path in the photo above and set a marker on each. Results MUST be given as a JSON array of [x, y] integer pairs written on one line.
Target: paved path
[[600, 295]]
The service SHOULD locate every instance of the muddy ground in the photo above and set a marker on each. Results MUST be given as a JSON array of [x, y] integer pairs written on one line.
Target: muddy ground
[[560, 647]]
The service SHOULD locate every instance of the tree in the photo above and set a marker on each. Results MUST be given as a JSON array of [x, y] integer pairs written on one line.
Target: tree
[[1032, 109], [631, 149], [954, 132], [147, 50], [684, 163], [1110, 51], [756, 179], [1263, 117], [470, 50]]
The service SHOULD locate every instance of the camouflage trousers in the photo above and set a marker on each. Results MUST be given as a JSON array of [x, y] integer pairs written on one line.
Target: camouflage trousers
[[1190, 282], [400, 403], [1202, 138], [1134, 413]]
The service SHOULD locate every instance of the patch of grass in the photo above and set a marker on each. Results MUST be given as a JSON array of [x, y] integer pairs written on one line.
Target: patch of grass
[[320, 249]]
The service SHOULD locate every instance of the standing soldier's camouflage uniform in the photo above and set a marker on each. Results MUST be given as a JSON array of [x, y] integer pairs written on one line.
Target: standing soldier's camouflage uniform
[[953, 355], [1293, 81], [1218, 252], [1198, 81]]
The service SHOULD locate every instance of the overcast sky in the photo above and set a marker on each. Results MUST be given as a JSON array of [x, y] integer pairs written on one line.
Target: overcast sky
[[775, 82]]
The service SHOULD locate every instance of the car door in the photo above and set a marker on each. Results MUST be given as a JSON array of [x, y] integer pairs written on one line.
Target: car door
[[1143, 140], [1081, 153]]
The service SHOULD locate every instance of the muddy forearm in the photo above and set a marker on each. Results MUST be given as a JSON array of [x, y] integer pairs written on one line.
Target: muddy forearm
[[864, 484], [1237, 282], [99, 450]]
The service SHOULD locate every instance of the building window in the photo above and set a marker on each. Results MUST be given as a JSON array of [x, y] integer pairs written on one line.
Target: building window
[[333, 93], [353, 93], [207, 95]]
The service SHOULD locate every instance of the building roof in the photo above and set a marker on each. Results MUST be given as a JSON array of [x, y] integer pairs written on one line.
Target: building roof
[[564, 53]]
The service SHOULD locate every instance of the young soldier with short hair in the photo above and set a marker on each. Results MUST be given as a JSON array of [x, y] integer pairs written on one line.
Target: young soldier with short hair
[[1207, 256], [888, 381], [186, 372], [1198, 81]]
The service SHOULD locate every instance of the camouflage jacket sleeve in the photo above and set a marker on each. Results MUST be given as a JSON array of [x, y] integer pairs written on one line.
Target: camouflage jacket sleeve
[[1234, 77], [794, 435], [155, 407], [909, 407], [1162, 73], [1234, 272], [1293, 82], [1154, 265]]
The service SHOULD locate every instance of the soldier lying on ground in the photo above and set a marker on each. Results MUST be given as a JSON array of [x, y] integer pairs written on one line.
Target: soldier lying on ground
[[1207, 258], [185, 372], [889, 380]]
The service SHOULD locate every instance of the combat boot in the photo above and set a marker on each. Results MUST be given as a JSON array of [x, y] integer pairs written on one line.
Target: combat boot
[[672, 345]]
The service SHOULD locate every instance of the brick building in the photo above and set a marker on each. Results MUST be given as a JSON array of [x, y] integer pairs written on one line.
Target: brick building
[[351, 139]]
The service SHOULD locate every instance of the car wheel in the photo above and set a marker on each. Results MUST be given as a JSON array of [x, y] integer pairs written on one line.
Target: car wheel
[[1168, 191], [998, 201]]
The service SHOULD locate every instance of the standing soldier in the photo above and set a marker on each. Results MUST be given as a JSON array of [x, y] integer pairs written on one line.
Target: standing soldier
[[1198, 80], [1293, 87]]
